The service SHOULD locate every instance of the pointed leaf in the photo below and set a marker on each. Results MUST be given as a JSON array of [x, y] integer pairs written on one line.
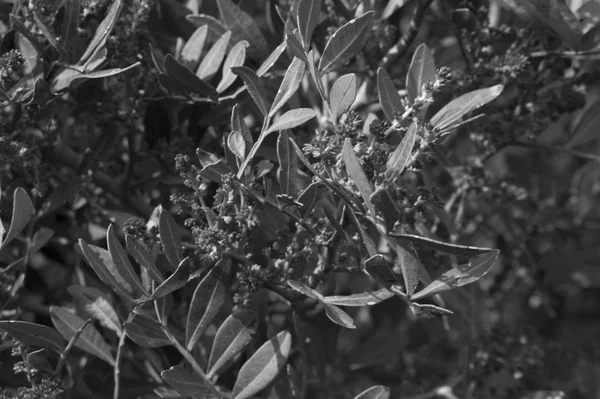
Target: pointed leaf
[[338, 316], [462, 275], [103, 32], [244, 27], [216, 28], [390, 100], [262, 368], [368, 298], [238, 124], [170, 238], [146, 332], [50, 37], [235, 58], [69, 26], [309, 12], [410, 266], [192, 50], [453, 249], [346, 42], [89, 341], [21, 215], [402, 154], [35, 335], [287, 174], [97, 306], [421, 71], [292, 119], [289, 85], [144, 258], [428, 311], [459, 107], [40, 238], [175, 281], [255, 87], [187, 79], [376, 392], [122, 263], [185, 382], [39, 360], [357, 174], [294, 46], [237, 145], [206, 302], [211, 62], [379, 268], [304, 289], [271, 59], [231, 338], [342, 95], [587, 127]]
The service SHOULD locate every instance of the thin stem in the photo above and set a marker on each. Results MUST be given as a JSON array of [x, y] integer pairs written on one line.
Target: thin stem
[[254, 149], [117, 368], [65, 353]]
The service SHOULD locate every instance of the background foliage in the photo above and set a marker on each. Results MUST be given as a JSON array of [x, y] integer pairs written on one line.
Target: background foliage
[[312, 199]]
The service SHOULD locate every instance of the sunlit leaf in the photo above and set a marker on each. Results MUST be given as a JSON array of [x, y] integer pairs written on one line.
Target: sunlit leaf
[[271, 59], [287, 174], [357, 174], [211, 62], [192, 50], [237, 145], [390, 100], [103, 32], [175, 281], [342, 95], [453, 249], [289, 85], [376, 392], [308, 13], [402, 154], [304, 289], [97, 306], [428, 311], [236, 57], [255, 87], [368, 298], [292, 119], [421, 71], [170, 238]]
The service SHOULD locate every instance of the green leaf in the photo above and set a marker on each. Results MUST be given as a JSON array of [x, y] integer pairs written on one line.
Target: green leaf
[[213, 167], [146, 333], [289, 85], [192, 50], [428, 311], [144, 258], [338, 316], [103, 32], [287, 174], [35, 335], [68, 35], [211, 62], [237, 145], [295, 47], [255, 87], [122, 263], [238, 124], [186, 78], [421, 71], [170, 238], [207, 300], [459, 276], [453, 249], [236, 57], [244, 27], [587, 127], [50, 37], [304, 289], [379, 268], [185, 382], [175, 281], [459, 107], [231, 338], [346, 42], [97, 306], [390, 100], [262, 368], [89, 341], [357, 174], [311, 196], [382, 201], [22, 212], [67, 78], [271, 59], [40, 238], [402, 154], [410, 266], [376, 392], [39, 360], [308, 14], [342, 95], [292, 119], [368, 298]]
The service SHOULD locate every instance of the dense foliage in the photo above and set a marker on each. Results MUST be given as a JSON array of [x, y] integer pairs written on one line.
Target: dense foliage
[[299, 199]]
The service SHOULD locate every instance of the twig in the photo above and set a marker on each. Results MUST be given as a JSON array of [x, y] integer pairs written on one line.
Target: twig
[[117, 368], [400, 48]]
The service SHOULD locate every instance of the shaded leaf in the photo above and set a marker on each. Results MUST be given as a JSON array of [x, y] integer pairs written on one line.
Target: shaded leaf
[[453, 249], [212, 166], [121, 261], [376, 392], [390, 100], [231, 338], [192, 50], [346, 42], [410, 266], [40, 238], [237, 145], [39, 360], [207, 300], [338, 316], [236, 57], [211, 62], [170, 238], [357, 174], [50, 37], [304, 289], [587, 127], [289, 85], [22, 212], [292, 119], [70, 23], [287, 174], [89, 341], [146, 332], [242, 25], [308, 14], [216, 28], [421, 71], [97, 306], [295, 47], [262, 368], [238, 124], [255, 87], [379, 268], [459, 276], [188, 80], [311, 196], [342, 95], [368, 298], [186, 382], [402, 154], [175, 281], [35, 335], [103, 32], [271, 59], [144, 258], [457, 108]]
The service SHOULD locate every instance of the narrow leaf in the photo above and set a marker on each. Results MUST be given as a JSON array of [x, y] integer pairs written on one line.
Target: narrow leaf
[[453, 249], [35, 335], [216, 28], [21, 215], [379, 268], [255, 87], [368, 298], [376, 392], [289, 85], [175, 281], [40, 238], [97, 306], [262, 368], [428, 311], [237, 145], [122, 263], [587, 127], [185, 382], [287, 174], [292, 119], [144, 258], [235, 58], [271, 59], [89, 341], [304, 289], [342, 95], [357, 174], [146, 333], [231, 338], [50, 36], [206, 302], [186, 78], [211, 62], [39, 360], [103, 32], [295, 47], [390, 100], [69, 26], [308, 14], [457, 108], [402, 154], [170, 238], [421, 71], [459, 276], [244, 27], [238, 124], [192, 50], [346, 42], [338, 316], [410, 266]]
